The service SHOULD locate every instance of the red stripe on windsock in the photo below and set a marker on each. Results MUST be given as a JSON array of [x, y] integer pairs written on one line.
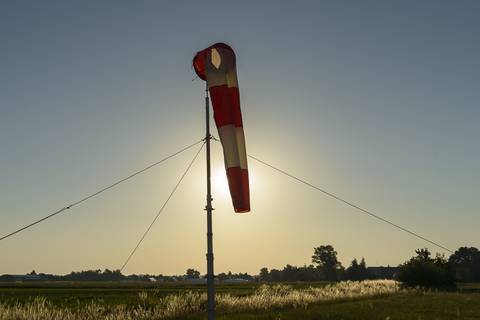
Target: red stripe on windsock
[[226, 106], [239, 190]]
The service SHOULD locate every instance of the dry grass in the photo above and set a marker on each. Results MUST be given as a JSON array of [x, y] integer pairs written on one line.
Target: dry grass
[[265, 298]]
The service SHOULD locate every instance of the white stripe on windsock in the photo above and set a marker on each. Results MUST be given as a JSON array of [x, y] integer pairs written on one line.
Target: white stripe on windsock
[[220, 68], [233, 142]]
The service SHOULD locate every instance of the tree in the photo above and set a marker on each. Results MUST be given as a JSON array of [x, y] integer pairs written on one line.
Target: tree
[[275, 275], [264, 276], [192, 274], [354, 264], [112, 275], [289, 273], [363, 268], [356, 271], [466, 264], [222, 276], [423, 254], [292, 273], [325, 257], [421, 270]]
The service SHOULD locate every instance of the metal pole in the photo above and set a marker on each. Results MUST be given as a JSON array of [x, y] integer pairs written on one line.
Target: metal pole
[[209, 209]]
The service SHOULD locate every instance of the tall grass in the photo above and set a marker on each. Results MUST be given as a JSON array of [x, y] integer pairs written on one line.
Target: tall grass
[[280, 296], [176, 305]]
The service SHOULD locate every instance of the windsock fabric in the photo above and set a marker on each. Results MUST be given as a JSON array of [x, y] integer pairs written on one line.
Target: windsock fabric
[[216, 65]]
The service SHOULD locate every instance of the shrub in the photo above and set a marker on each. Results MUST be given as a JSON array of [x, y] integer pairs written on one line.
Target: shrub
[[424, 271]]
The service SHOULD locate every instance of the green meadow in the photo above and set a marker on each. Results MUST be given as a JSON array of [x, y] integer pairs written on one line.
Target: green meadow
[[70, 294], [345, 300], [410, 306]]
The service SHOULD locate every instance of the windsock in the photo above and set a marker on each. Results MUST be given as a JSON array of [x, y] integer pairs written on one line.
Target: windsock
[[216, 65]]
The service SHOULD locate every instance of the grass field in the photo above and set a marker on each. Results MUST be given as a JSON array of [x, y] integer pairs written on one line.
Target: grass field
[[408, 306], [370, 300], [70, 294]]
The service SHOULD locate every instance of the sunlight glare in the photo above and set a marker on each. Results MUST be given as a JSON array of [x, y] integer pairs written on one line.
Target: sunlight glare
[[220, 182]]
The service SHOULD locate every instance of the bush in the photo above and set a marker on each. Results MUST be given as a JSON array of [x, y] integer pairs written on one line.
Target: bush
[[424, 271], [466, 264]]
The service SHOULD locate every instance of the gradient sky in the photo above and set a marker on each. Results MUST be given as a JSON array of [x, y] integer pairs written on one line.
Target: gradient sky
[[376, 101]]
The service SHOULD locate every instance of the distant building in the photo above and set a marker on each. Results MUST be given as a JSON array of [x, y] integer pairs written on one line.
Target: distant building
[[382, 272], [235, 281], [21, 277]]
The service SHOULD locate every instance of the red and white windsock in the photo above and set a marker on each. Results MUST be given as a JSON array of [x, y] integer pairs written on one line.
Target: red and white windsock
[[216, 65]]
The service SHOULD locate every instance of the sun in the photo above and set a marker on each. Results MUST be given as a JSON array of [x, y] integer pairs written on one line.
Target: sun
[[220, 182]]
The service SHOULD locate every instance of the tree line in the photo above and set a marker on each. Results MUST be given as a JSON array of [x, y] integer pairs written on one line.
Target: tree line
[[325, 267], [116, 275], [422, 269]]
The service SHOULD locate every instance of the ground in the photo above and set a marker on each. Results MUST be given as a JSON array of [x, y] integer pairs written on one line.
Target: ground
[[434, 306], [439, 305]]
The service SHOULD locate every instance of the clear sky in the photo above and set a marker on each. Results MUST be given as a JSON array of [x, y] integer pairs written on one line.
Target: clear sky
[[376, 101]]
